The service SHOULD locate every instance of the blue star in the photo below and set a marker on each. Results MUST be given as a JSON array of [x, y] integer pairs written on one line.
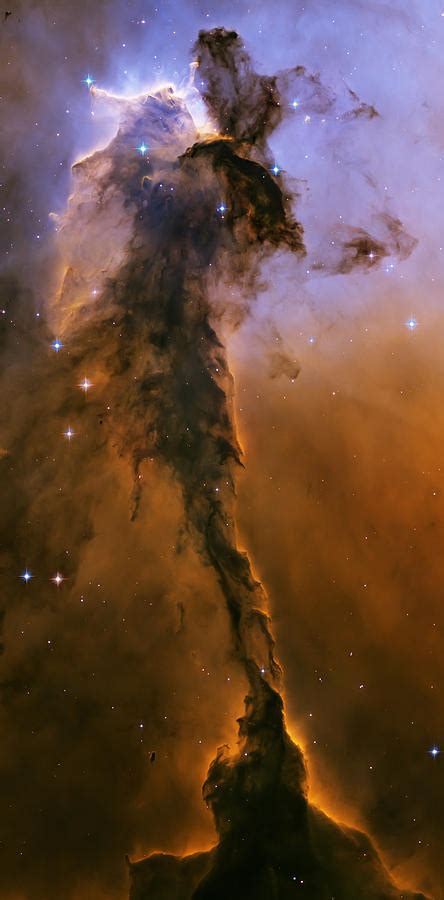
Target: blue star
[[57, 345], [295, 104], [275, 169], [411, 324], [26, 576], [434, 751], [221, 208], [88, 81], [142, 148]]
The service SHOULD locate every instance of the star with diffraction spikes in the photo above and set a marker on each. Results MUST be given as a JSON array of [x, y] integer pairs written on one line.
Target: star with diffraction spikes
[[57, 579]]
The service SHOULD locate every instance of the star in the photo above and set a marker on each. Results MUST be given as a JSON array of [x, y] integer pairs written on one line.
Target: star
[[434, 751], [26, 576], [142, 148], [295, 104], [57, 345], [85, 385], [411, 324], [88, 81], [275, 169], [57, 579], [221, 208], [69, 433]]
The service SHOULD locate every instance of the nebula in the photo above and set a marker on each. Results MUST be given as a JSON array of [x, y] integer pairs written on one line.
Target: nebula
[[148, 234], [215, 469]]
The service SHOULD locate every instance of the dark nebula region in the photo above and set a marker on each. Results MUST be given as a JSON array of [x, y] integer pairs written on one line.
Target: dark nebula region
[[157, 237]]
